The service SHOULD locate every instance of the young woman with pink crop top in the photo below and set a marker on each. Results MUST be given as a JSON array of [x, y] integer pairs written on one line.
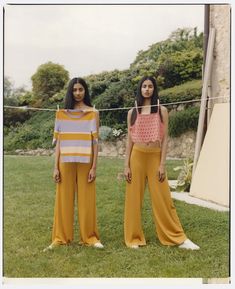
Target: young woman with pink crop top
[[145, 161]]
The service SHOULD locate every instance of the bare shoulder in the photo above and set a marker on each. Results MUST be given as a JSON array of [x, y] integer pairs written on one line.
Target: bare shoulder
[[164, 110], [130, 111], [95, 111]]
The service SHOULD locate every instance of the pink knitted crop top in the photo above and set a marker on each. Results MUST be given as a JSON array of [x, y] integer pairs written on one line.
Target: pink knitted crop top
[[147, 128]]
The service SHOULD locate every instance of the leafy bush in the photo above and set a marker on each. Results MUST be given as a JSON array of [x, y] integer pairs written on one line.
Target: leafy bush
[[173, 61], [13, 116], [105, 132], [187, 91], [180, 66], [110, 134], [26, 98], [185, 176], [35, 133], [49, 79], [182, 121], [117, 95]]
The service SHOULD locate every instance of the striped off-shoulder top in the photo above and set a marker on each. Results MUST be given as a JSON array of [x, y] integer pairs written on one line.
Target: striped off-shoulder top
[[76, 131]]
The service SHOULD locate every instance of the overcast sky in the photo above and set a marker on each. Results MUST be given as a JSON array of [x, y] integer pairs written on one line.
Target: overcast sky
[[87, 38]]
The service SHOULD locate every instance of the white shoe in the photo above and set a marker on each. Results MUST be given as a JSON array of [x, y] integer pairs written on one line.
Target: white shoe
[[189, 245], [50, 248], [98, 245], [134, 246]]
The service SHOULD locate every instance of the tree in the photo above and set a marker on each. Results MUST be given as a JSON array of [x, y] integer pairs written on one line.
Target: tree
[[8, 87], [19, 91], [49, 79], [182, 34], [179, 67]]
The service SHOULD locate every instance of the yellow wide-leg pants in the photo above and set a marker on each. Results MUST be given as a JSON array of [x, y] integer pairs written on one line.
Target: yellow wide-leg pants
[[74, 178], [144, 164]]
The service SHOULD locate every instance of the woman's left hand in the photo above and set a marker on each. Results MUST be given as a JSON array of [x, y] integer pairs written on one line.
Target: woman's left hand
[[91, 175], [161, 173]]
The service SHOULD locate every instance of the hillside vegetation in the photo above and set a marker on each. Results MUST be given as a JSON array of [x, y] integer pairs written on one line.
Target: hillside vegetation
[[176, 63]]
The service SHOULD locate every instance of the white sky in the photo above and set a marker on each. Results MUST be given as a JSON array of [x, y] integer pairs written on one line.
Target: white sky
[[87, 38]]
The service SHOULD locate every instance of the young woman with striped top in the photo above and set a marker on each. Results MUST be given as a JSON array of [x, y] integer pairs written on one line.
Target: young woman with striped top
[[145, 162], [76, 139]]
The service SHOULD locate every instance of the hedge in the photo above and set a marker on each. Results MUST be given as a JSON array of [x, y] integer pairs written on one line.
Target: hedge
[[183, 121]]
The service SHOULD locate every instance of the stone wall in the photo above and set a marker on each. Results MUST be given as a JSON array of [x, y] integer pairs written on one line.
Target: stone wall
[[220, 77], [183, 146], [179, 147]]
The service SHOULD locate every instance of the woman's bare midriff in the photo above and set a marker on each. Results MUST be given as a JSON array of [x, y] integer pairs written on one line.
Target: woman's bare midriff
[[155, 144]]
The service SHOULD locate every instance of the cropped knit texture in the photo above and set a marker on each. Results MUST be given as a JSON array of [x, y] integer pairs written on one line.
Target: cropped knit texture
[[147, 128], [76, 130]]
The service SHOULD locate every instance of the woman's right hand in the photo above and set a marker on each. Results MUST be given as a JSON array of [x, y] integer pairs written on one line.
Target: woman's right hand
[[127, 174], [56, 175]]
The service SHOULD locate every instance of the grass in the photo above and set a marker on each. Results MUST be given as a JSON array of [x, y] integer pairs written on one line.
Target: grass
[[28, 216]]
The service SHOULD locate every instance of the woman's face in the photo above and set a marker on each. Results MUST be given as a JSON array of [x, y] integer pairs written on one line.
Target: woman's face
[[78, 92], [147, 89]]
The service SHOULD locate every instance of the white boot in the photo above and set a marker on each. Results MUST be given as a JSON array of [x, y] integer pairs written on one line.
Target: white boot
[[188, 244]]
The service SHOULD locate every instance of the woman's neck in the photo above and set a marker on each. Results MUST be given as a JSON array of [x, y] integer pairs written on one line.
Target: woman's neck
[[79, 105], [147, 101], [147, 109]]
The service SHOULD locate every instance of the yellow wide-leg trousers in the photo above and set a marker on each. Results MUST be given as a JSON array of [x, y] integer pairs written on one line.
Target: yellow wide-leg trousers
[[144, 164], [74, 178]]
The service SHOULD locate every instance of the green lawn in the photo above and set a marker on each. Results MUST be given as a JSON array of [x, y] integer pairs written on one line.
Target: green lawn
[[28, 215]]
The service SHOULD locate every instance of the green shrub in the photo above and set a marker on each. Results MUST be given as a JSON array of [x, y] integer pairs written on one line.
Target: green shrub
[[185, 176], [105, 132], [110, 134], [188, 91], [182, 121], [12, 115], [49, 79], [35, 133]]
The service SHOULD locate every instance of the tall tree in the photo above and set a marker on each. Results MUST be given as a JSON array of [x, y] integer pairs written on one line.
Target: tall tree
[[49, 79]]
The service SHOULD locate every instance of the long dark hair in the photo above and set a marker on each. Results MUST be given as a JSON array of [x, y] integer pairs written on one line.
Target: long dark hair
[[140, 98], [69, 99]]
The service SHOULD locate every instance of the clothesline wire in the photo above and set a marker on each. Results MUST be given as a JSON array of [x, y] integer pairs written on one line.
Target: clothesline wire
[[117, 108]]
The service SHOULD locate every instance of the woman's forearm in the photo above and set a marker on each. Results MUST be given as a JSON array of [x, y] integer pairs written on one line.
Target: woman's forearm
[[164, 151], [129, 147], [95, 156], [57, 155], [165, 139]]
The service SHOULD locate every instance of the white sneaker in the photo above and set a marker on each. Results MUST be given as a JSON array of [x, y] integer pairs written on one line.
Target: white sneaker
[[50, 248], [98, 245], [189, 245], [134, 246]]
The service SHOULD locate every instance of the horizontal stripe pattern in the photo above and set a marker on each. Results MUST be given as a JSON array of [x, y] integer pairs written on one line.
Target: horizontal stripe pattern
[[75, 115], [75, 126], [75, 136], [83, 143], [75, 149], [77, 132], [76, 154], [75, 159]]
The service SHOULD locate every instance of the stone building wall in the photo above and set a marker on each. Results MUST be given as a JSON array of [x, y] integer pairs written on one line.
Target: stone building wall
[[220, 78]]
